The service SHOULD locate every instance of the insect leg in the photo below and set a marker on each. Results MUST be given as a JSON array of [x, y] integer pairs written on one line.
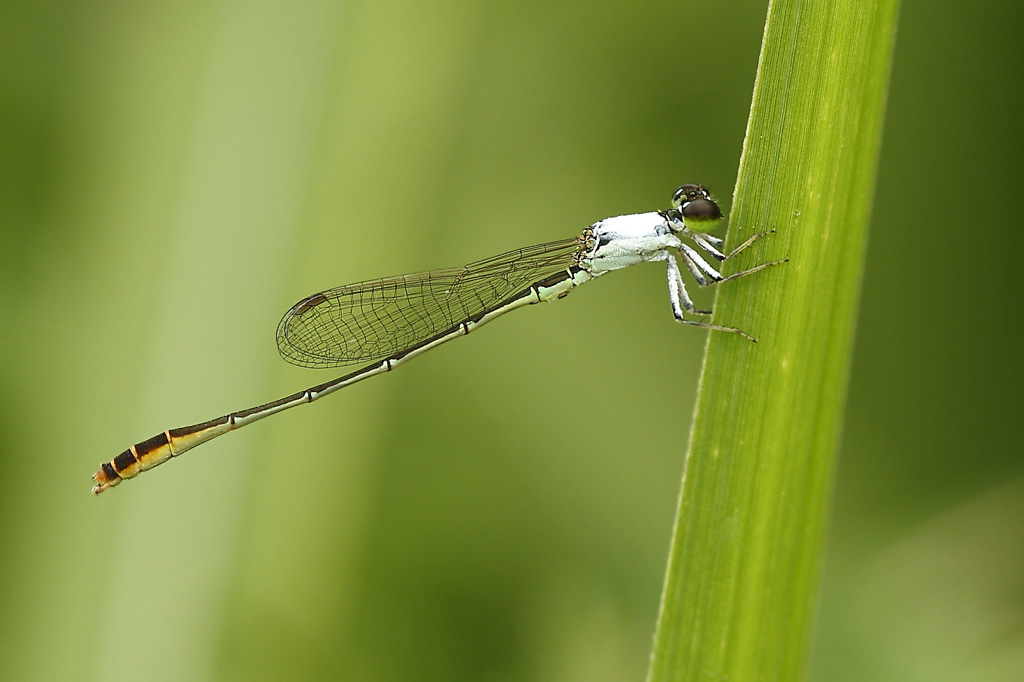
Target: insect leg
[[677, 293], [680, 300], [711, 245], [707, 275]]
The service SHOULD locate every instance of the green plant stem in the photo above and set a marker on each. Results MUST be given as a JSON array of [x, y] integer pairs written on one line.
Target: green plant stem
[[745, 561]]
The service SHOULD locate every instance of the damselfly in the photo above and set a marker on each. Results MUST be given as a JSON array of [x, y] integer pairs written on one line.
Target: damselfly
[[384, 322]]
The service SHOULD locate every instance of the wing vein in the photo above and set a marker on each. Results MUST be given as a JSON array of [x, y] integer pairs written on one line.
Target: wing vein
[[381, 318]]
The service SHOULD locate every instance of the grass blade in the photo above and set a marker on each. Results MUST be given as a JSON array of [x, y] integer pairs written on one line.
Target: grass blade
[[746, 554]]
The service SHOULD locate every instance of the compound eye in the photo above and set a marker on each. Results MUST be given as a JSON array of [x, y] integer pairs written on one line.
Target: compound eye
[[700, 210], [688, 193]]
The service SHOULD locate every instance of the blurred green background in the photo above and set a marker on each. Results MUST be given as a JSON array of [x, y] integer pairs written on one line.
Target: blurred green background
[[174, 175]]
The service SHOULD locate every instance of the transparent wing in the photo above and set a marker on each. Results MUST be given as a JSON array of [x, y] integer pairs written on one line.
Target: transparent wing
[[380, 318]]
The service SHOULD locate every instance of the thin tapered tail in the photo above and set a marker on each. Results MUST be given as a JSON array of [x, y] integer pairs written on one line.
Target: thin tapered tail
[[149, 453], [173, 442], [157, 450]]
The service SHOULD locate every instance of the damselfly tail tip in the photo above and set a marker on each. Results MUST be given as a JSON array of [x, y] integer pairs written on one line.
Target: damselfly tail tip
[[103, 481]]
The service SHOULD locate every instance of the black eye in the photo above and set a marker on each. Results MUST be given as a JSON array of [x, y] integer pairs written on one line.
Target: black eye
[[700, 210]]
